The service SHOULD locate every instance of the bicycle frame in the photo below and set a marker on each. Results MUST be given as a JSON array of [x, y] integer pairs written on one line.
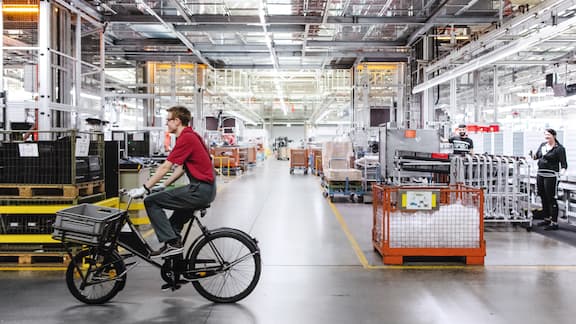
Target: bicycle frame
[[135, 243], [101, 263]]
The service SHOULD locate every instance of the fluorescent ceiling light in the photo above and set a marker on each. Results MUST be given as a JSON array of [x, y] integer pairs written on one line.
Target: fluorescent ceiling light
[[450, 37], [20, 8], [90, 96]]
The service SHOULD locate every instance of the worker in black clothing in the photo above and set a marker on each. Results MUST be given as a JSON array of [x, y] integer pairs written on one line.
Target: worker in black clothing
[[462, 143], [551, 157]]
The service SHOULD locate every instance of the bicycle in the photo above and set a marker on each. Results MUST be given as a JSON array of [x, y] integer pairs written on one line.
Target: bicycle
[[223, 264]]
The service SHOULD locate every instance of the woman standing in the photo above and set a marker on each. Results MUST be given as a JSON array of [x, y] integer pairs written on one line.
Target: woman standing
[[551, 157]]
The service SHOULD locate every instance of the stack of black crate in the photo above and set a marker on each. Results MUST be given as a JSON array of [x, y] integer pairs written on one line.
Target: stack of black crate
[[55, 164]]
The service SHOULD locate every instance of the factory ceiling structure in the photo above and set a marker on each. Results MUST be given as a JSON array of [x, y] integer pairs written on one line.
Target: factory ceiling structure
[[281, 34], [283, 58]]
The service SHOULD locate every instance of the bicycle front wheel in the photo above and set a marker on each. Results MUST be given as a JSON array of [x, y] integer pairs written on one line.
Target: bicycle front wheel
[[238, 259], [93, 278]]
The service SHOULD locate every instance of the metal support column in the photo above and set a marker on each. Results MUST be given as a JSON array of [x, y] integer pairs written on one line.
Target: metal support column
[[427, 108], [77, 102], [353, 92], [44, 66], [401, 98], [495, 101], [476, 77], [102, 74], [149, 80], [199, 124], [453, 98]]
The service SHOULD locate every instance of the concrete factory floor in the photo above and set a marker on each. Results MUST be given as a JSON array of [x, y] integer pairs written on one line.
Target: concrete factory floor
[[319, 267]]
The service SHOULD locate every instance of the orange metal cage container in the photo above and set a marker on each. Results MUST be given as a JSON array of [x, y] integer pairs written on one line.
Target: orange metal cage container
[[447, 221], [298, 158]]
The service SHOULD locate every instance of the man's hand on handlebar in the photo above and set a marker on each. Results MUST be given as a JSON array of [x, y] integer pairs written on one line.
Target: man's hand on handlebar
[[140, 192], [157, 188], [137, 192]]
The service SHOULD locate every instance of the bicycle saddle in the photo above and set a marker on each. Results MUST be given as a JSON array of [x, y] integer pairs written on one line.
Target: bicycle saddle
[[202, 210]]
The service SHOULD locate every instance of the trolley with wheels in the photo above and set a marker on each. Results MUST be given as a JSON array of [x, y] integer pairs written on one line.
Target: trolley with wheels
[[98, 272], [299, 160]]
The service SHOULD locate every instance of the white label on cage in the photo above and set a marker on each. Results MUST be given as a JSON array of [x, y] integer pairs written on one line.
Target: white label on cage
[[138, 137], [28, 149], [118, 136], [82, 144], [421, 200], [13, 224]]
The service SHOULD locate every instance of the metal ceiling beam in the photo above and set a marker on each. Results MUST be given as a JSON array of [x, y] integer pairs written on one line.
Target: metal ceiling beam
[[233, 48], [289, 28], [355, 44], [148, 42], [167, 58], [282, 66], [312, 20], [350, 54]]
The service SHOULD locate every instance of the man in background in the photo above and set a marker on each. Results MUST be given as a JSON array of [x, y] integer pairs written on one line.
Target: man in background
[[461, 143]]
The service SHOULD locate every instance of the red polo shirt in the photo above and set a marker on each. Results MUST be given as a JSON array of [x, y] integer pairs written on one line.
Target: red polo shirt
[[191, 152]]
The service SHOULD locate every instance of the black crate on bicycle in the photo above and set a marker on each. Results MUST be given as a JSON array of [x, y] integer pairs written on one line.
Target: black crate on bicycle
[[87, 224]]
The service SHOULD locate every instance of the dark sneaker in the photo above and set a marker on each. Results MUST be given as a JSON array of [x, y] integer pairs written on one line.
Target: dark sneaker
[[551, 227], [543, 223], [167, 250]]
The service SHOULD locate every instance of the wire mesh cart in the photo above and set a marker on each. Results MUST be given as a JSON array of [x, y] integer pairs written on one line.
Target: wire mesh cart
[[506, 181], [299, 160], [370, 168], [428, 221]]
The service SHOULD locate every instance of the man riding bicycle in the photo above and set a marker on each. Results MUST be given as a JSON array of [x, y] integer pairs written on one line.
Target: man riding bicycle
[[190, 155]]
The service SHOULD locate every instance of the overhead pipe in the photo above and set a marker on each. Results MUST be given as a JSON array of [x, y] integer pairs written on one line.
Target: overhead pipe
[[505, 29], [496, 55]]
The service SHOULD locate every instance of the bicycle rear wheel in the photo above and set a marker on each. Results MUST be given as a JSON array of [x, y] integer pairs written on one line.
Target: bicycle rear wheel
[[238, 258], [101, 276]]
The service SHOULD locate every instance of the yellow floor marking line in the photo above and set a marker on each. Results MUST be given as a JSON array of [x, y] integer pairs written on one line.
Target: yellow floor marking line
[[366, 265], [351, 239], [32, 268]]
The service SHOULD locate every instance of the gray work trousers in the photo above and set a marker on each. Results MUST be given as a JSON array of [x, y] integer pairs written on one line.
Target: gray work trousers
[[182, 200]]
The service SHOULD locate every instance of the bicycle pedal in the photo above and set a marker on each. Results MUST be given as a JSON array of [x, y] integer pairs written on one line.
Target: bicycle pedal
[[166, 287]]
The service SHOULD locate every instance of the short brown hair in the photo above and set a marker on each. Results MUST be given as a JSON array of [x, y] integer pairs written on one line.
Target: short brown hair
[[181, 113]]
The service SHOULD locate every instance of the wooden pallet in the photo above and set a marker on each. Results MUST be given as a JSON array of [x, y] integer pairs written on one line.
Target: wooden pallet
[[48, 191], [37, 259]]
